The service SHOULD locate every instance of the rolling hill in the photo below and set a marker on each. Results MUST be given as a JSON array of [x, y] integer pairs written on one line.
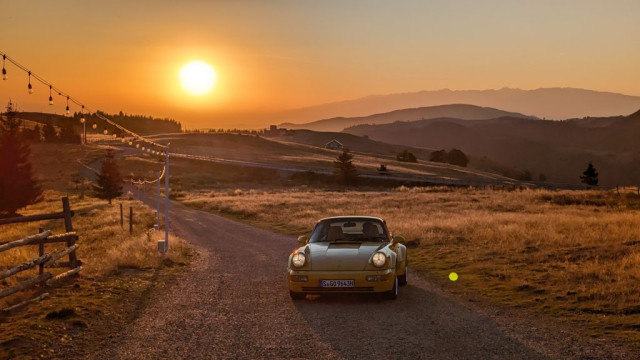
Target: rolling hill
[[558, 149], [550, 103], [458, 111]]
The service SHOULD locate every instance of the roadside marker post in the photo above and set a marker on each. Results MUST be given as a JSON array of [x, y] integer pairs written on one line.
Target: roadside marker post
[[163, 245]]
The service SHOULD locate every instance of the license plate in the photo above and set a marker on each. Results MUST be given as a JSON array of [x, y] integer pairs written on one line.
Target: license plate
[[336, 283]]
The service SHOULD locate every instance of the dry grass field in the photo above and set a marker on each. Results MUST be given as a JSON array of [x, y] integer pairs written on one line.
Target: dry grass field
[[570, 254], [119, 268]]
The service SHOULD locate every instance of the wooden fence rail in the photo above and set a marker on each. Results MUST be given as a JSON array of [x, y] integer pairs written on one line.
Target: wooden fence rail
[[44, 260]]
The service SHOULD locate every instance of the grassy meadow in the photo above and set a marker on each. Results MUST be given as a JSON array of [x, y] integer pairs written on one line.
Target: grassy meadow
[[574, 254], [119, 268]]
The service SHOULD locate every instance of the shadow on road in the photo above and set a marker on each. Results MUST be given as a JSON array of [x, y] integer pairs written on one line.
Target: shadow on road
[[419, 325]]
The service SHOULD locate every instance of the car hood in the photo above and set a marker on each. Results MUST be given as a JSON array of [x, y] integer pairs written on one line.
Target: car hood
[[342, 256]]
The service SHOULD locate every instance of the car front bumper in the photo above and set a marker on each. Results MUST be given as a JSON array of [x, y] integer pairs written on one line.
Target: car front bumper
[[308, 281]]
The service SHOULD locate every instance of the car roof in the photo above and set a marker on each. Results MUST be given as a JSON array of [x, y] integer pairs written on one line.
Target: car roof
[[354, 217]]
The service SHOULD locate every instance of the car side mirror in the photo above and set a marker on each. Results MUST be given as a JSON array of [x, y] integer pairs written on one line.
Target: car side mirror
[[302, 239], [398, 240]]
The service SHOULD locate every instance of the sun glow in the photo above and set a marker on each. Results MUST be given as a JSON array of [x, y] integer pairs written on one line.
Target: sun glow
[[197, 77]]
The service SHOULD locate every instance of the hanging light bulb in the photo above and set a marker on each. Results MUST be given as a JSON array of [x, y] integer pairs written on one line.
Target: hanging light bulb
[[95, 126], [50, 97], [148, 150], [4, 71], [105, 131], [137, 145], [130, 142], [123, 140], [29, 87], [67, 108], [114, 135], [143, 148]]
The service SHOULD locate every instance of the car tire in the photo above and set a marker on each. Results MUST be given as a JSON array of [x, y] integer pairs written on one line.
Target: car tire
[[393, 293], [297, 295], [402, 279]]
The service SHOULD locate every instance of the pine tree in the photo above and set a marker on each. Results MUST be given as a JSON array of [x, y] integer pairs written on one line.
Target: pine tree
[[590, 176], [49, 133], [18, 187], [343, 168], [109, 182]]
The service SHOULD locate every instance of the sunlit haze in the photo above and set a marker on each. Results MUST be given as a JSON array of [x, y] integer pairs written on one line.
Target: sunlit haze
[[271, 56]]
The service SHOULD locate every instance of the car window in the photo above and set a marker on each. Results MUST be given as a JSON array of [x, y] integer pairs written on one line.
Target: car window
[[349, 230]]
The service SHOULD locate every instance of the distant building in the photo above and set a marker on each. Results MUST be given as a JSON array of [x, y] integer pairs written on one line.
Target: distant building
[[334, 145], [273, 128]]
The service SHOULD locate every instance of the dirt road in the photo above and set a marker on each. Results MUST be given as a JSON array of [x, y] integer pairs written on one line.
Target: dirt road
[[234, 303]]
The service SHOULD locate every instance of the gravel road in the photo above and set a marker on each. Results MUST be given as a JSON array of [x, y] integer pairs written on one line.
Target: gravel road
[[234, 303]]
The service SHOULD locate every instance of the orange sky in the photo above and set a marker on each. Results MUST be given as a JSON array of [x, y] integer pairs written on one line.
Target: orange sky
[[275, 55]]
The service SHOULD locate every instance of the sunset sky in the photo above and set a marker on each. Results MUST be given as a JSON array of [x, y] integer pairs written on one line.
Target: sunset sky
[[275, 55]]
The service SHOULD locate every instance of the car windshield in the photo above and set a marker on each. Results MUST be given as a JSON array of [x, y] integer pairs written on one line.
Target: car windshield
[[349, 230]]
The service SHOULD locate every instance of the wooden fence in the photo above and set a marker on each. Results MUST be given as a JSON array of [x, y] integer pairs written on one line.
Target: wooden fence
[[44, 260]]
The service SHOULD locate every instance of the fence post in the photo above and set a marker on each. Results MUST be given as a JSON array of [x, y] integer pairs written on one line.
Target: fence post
[[68, 227], [40, 253], [130, 219], [121, 217]]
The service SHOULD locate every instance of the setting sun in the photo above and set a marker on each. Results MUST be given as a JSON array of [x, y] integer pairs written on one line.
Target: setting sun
[[197, 77]]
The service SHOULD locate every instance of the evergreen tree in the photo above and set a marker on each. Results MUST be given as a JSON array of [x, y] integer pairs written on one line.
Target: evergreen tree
[[109, 182], [18, 188], [590, 176], [343, 168], [49, 132]]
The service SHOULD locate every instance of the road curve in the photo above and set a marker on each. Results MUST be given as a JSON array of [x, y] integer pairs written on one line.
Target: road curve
[[234, 304]]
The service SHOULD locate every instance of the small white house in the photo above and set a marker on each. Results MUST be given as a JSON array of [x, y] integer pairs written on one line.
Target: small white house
[[334, 145]]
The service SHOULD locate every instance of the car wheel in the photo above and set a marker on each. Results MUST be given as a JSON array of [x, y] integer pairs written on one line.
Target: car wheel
[[402, 279], [393, 294], [297, 295]]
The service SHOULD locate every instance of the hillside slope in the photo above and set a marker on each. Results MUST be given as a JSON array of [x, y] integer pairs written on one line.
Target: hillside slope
[[558, 149]]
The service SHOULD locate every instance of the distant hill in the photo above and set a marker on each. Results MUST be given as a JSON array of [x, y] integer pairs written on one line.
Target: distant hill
[[549, 103], [558, 149], [458, 111]]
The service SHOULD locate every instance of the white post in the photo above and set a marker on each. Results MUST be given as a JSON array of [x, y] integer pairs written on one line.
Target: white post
[[166, 200], [158, 201]]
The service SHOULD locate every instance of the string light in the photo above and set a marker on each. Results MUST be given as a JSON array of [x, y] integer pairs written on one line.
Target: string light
[[105, 131], [123, 140], [95, 126], [114, 135], [67, 108], [143, 148], [130, 142], [29, 87], [69, 99]]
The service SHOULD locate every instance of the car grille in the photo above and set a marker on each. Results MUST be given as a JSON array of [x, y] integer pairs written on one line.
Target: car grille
[[344, 289]]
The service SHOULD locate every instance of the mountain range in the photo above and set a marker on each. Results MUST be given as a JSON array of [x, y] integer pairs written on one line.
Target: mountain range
[[544, 103], [458, 111]]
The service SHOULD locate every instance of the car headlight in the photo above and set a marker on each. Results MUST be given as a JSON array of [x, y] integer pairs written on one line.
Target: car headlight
[[379, 259], [298, 259]]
